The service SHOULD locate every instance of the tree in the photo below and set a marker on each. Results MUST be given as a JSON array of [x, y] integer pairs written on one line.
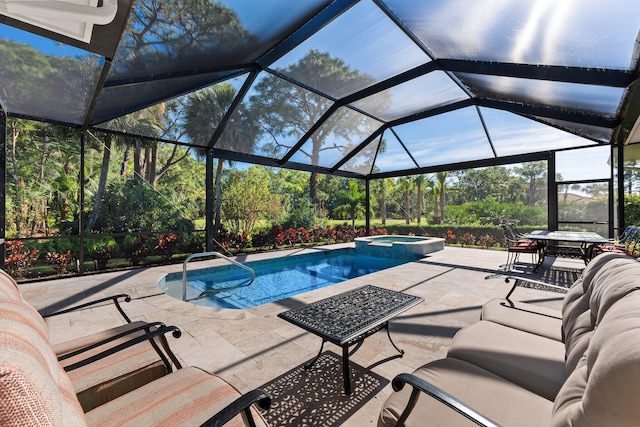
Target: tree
[[204, 110], [18, 130], [290, 189], [534, 173], [162, 32], [419, 182], [631, 176], [179, 32], [406, 185], [289, 111], [381, 189], [133, 206], [139, 123], [245, 199], [441, 179], [432, 185], [598, 189], [478, 184], [352, 202]]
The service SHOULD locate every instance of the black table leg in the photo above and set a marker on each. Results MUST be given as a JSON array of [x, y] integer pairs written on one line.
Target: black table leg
[[541, 256], [346, 370]]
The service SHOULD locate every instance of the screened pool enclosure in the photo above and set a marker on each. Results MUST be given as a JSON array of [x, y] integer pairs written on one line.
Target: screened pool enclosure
[[363, 89]]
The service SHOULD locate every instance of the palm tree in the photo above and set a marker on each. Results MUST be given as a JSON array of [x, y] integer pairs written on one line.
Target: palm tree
[[204, 110], [406, 185], [441, 178], [381, 189], [419, 182], [433, 189], [352, 206]]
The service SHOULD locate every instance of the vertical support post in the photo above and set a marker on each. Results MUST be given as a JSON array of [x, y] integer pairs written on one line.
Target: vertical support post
[[367, 204], [612, 194], [552, 193], [209, 205], [620, 190], [83, 140], [3, 183]]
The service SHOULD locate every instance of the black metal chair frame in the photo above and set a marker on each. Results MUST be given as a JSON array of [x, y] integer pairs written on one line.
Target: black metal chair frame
[[153, 331], [629, 238], [422, 386], [513, 241], [158, 330]]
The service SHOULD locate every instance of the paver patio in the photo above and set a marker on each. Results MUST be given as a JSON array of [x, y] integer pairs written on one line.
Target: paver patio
[[253, 346]]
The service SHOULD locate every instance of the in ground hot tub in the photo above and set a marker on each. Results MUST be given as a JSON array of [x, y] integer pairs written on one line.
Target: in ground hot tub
[[391, 246]]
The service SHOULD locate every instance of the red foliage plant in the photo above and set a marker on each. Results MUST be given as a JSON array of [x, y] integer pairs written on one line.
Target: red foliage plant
[[19, 258]]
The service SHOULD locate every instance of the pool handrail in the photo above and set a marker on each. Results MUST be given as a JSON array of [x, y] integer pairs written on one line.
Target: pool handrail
[[207, 254]]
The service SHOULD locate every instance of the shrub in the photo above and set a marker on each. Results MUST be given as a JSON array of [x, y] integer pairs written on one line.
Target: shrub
[[137, 250], [487, 240], [449, 237], [287, 237], [300, 216], [467, 239], [192, 243], [60, 262], [101, 257], [167, 245], [19, 258], [133, 206], [230, 240], [266, 238]]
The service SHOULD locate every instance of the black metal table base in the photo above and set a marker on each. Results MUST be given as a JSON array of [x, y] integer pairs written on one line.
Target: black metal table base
[[348, 318], [346, 353]]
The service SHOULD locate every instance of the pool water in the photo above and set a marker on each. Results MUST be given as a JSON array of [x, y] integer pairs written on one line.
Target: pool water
[[276, 279]]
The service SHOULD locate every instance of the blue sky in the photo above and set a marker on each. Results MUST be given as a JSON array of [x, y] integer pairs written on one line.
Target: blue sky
[[43, 44]]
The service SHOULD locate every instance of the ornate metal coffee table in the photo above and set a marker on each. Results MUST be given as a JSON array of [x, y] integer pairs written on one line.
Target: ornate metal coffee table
[[348, 318]]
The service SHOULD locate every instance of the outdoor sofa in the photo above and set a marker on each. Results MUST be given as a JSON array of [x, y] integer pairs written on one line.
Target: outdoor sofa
[[128, 370], [524, 365]]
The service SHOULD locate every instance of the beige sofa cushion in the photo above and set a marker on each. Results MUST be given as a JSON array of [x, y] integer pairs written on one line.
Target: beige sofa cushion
[[608, 278], [603, 388], [531, 318], [34, 389], [494, 397], [187, 397], [528, 360]]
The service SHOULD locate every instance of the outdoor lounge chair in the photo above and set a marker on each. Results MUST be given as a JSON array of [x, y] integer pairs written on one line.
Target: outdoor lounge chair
[[510, 368], [121, 358], [36, 390]]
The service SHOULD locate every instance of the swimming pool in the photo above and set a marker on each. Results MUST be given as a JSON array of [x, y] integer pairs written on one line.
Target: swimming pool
[[276, 279]]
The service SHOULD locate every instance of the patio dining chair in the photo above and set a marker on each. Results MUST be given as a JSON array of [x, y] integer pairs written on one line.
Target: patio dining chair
[[515, 233], [626, 244], [517, 245]]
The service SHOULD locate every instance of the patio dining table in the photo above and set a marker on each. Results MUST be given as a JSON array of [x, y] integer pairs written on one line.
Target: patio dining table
[[580, 244]]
